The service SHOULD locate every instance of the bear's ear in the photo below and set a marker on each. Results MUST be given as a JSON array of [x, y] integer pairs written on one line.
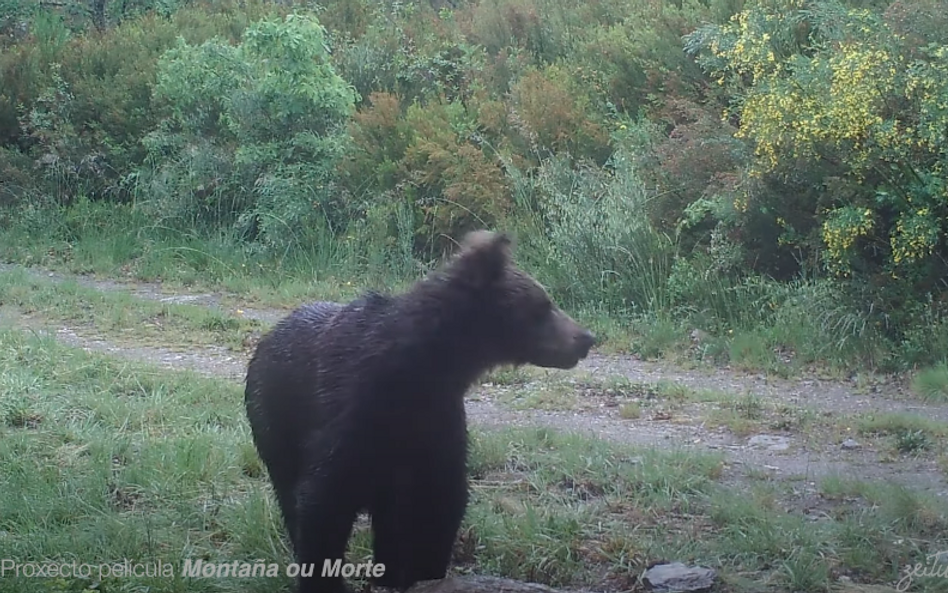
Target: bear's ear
[[485, 240], [483, 257]]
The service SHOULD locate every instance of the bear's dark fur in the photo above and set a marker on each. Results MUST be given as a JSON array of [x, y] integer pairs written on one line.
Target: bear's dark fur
[[360, 407]]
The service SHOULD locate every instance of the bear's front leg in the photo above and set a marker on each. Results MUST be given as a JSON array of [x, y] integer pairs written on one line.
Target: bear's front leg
[[389, 547], [393, 518], [438, 508], [324, 518], [415, 519]]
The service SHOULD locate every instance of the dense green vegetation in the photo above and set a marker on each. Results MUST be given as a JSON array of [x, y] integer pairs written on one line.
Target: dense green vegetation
[[770, 172]]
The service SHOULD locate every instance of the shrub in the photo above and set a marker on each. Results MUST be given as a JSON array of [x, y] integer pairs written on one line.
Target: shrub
[[555, 116], [80, 104], [426, 157], [254, 132]]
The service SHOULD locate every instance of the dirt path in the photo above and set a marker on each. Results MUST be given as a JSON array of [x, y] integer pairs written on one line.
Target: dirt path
[[791, 456]]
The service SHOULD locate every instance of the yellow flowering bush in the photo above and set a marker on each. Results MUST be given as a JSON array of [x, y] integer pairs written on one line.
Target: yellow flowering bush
[[836, 90], [915, 236], [841, 229]]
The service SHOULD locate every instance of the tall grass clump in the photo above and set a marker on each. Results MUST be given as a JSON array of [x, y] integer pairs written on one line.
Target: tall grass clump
[[584, 231]]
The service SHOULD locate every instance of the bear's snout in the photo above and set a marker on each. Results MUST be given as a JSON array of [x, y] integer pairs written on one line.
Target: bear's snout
[[562, 344], [584, 341]]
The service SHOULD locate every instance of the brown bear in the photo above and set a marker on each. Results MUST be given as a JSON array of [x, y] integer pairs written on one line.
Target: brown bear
[[360, 407]]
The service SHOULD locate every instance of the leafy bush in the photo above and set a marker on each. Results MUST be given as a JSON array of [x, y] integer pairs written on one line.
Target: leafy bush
[[79, 105], [254, 132], [427, 157]]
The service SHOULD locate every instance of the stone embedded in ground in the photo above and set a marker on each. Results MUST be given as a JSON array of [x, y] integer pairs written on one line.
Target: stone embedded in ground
[[698, 336], [769, 442], [676, 577], [850, 444]]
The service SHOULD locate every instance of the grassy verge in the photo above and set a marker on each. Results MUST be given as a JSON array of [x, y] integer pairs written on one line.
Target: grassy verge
[[781, 329], [932, 383], [102, 461], [908, 434], [119, 242], [122, 316]]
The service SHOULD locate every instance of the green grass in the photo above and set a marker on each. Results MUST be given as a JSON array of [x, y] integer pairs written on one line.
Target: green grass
[[931, 384], [102, 460], [748, 414], [908, 433], [630, 411], [783, 338], [121, 461], [741, 415], [116, 241], [120, 315], [895, 423]]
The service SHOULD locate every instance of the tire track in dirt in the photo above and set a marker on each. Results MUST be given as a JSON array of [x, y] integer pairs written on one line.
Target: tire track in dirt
[[797, 463]]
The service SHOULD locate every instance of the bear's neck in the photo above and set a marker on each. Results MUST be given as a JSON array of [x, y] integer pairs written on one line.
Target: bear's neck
[[449, 328]]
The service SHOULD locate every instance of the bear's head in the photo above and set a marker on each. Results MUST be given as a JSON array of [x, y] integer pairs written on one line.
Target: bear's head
[[516, 319]]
